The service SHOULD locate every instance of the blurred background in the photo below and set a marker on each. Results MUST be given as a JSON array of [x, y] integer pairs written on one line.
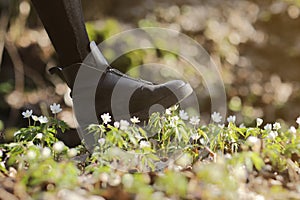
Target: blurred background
[[255, 44]]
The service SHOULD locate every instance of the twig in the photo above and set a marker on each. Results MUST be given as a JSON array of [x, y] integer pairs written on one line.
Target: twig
[[34, 76], [19, 74], [17, 63], [3, 27]]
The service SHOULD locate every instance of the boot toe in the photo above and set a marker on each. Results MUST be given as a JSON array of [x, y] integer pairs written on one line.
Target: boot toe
[[162, 96], [179, 88]]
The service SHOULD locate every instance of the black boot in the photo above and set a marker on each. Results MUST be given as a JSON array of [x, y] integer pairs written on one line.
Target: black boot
[[120, 95], [64, 23]]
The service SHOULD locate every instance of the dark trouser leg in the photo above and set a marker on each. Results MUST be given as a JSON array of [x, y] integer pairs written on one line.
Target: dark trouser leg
[[64, 23]]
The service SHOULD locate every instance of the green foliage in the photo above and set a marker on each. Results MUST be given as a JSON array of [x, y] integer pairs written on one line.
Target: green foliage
[[180, 159], [62, 174], [173, 184]]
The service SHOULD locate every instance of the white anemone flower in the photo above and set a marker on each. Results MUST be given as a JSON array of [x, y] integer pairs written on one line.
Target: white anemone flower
[[195, 120], [145, 144], [174, 108], [39, 136], [268, 127], [276, 126], [106, 118], [27, 113], [124, 125], [216, 117], [292, 130], [58, 147], [202, 141], [31, 155], [168, 111], [221, 126], [173, 121], [183, 115], [252, 140], [117, 124], [55, 108], [101, 141], [135, 120], [272, 135], [231, 119], [242, 125], [298, 121], [46, 152], [30, 143], [259, 122], [43, 119], [72, 152], [195, 136], [35, 118]]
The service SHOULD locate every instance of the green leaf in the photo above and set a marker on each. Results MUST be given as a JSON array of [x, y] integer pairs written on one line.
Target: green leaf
[[257, 161]]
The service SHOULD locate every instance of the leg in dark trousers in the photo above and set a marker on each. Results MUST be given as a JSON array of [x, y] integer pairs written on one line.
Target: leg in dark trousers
[[64, 23]]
